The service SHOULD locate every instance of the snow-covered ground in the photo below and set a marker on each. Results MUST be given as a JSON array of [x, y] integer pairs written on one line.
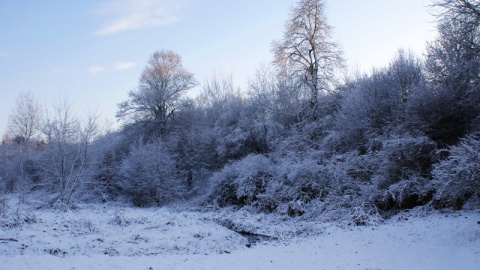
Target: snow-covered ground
[[98, 237]]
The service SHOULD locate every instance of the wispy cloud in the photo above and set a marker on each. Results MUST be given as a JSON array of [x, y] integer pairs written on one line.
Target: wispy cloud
[[96, 69], [124, 65], [3, 54], [139, 14]]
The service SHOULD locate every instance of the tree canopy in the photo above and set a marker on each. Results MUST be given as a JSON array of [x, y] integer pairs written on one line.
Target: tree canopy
[[162, 82]]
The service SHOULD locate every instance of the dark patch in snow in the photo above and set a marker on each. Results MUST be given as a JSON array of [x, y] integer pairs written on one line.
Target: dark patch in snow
[[8, 240], [251, 236], [254, 237], [56, 252]]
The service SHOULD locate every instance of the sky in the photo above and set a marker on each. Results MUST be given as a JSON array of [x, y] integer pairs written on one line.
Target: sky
[[93, 52]]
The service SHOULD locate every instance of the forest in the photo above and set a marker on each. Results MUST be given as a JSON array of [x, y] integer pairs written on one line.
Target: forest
[[305, 138]]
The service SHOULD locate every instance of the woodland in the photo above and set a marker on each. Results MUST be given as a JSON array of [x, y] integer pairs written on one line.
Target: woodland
[[306, 138]]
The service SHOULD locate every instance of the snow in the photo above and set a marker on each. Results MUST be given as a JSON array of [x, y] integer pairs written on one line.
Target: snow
[[113, 237]]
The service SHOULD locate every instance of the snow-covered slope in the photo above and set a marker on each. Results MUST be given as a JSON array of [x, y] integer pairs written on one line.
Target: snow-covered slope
[[125, 238]]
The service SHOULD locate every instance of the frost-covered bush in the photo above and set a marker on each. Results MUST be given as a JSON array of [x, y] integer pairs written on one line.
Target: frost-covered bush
[[405, 157], [290, 185], [458, 176], [354, 167], [404, 169], [336, 185], [302, 181], [256, 181], [365, 215], [298, 182], [149, 175], [405, 194], [242, 131], [242, 182]]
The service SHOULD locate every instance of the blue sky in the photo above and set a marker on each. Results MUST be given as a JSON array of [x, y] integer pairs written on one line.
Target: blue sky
[[94, 51]]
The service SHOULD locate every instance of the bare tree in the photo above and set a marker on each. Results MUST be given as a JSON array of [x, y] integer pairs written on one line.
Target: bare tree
[[162, 82], [24, 123], [217, 89], [462, 12], [25, 118], [216, 93], [66, 156], [307, 51]]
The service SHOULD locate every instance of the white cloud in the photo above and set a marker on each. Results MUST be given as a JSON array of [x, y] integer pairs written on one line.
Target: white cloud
[[138, 14], [95, 69], [124, 65]]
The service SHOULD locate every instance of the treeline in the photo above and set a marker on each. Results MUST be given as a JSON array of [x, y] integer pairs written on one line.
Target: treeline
[[299, 140]]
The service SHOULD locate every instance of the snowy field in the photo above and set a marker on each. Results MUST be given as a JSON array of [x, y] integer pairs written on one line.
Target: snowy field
[[96, 237]]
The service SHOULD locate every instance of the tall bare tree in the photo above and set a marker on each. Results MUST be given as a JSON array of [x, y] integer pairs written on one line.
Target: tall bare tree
[[307, 50], [24, 124], [162, 82]]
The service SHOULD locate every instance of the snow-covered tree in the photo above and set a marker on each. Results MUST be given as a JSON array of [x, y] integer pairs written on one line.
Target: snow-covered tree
[[307, 51], [160, 86]]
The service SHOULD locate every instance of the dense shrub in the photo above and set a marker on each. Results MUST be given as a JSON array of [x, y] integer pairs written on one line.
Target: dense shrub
[[242, 182], [439, 114], [403, 158], [458, 176], [105, 173], [301, 181], [405, 194], [149, 175]]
